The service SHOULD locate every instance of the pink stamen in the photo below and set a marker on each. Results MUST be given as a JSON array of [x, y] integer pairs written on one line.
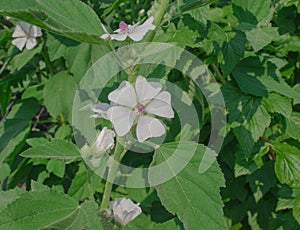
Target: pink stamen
[[140, 109], [123, 27]]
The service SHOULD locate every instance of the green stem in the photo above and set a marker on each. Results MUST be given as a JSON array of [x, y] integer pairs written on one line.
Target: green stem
[[157, 19], [113, 168]]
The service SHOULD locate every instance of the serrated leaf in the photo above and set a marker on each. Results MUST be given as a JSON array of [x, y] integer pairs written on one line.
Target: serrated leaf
[[56, 149], [194, 197], [258, 77], [260, 37], [49, 209], [59, 94], [251, 12], [287, 163], [247, 116], [293, 125], [7, 197], [279, 104], [68, 18]]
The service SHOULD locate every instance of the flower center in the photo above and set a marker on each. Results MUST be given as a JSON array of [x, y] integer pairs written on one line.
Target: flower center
[[140, 109], [123, 27]]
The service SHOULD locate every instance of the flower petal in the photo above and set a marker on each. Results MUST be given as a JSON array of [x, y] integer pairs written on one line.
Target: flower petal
[[144, 90], [161, 105], [124, 95], [31, 42], [35, 32], [122, 119], [26, 27], [100, 108], [140, 31], [149, 127], [19, 42], [105, 36], [18, 32], [118, 37]]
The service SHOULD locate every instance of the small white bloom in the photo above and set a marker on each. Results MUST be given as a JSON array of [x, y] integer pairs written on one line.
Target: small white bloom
[[125, 210], [105, 140], [139, 104], [136, 32], [25, 34]]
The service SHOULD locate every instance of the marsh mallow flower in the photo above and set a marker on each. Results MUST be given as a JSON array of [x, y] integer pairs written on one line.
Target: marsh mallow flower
[[135, 32], [25, 34], [139, 105], [103, 143], [124, 210], [105, 140]]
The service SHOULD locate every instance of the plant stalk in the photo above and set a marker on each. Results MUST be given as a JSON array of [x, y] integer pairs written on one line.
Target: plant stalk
[[113, 168], [157, 19]]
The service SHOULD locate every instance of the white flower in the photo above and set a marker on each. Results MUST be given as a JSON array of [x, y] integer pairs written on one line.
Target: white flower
[[136, 32], [139, 104], [105, 140], [125, 210], [25, 34]]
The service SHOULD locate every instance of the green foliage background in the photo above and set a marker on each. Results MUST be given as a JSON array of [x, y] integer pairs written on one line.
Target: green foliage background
[[252, 47]]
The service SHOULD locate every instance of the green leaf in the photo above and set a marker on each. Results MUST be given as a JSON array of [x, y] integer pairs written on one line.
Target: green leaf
[[58, 45], [233, 51], [56, 149], [5, 96], [182, 36], [194, 197], [143, 222], [258, 77], [16, 127], [9, 196], [80, 188], [287, 163], [276, 103], [59, 94], [89, 54], [247, 115], [260, 37], [21, 59], [57, 167], [49, 209], [251, 12], [262, 180], [70, 18], [293, 125]]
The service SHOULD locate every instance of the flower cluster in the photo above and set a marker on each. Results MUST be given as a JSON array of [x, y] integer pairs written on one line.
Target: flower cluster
[[137, 105]]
